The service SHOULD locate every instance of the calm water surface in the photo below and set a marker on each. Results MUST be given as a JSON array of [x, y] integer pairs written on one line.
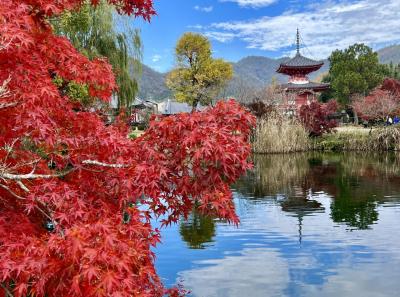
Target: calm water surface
[[311, 225]]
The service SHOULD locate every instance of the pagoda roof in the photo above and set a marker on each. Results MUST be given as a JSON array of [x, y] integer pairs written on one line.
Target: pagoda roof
[[308, 86], [300, 62]]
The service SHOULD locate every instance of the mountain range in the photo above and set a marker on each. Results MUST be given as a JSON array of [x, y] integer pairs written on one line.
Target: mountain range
[[252, 72]]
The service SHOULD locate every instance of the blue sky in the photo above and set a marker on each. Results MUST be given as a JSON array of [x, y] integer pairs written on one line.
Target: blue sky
[[239, 28]]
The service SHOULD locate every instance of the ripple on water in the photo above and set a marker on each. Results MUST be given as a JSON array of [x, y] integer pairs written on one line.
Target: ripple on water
[[326, 225]]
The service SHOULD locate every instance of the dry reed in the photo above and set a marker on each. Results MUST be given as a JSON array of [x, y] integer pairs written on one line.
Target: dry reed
[[278, 134], [379, 139]]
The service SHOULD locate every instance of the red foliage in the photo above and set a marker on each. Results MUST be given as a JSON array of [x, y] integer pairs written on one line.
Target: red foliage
[[76, 196], [382, 102], [376, 106], [315, 117], [392, 86]]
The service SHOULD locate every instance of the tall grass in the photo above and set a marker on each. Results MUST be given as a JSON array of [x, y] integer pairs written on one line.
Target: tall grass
[[278, 134], [379, 139], [386, 139]]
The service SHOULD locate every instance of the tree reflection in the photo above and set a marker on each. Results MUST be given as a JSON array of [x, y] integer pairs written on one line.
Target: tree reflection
[[357, 183], [273, 174], [197, 230], [357, 214], [355, 202]]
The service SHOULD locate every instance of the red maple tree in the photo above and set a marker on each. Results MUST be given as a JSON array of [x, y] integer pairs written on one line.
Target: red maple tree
[[382, 102], [315, 117], [77, 196], [392, 86]]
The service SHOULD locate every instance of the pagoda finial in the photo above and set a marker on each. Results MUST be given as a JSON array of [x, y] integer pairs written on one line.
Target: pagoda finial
[[298, 41]]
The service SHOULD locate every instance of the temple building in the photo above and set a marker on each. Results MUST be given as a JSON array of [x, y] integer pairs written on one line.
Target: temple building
[[300, 90]]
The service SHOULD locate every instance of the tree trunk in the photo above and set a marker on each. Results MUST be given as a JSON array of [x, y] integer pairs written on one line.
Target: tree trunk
[[194, 105], [355, 117]]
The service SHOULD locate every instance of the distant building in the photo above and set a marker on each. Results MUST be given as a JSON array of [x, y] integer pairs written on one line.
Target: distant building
[[141, 110], [169, 107], [300, 90]]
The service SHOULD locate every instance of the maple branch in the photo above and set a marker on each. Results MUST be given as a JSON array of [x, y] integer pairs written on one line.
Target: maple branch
[[46, 215], [9, 148], [31, 175], [97, 163], [8, 293], [6, 105], [12, 192], [23, 187], [22, 198], [5, 45], [4, 92]]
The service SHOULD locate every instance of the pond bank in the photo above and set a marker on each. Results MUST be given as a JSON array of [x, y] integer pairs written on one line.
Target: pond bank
[[359, 139], [348, 138]]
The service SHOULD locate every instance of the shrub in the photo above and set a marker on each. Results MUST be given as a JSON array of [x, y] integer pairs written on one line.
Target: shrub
[[315, 117], [378, 105]]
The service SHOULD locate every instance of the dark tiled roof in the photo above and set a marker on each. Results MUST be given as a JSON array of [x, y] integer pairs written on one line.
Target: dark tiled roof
[[300, 61], [308, 86]]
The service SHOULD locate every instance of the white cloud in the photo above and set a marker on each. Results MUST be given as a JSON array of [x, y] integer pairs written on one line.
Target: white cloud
[[196, 27], [249, 272], [330, 25], [156, 58], [204, 8], [252, 3], [220, 36]]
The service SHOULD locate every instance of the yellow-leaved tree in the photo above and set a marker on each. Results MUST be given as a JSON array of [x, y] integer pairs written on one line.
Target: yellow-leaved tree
[[198, 77]]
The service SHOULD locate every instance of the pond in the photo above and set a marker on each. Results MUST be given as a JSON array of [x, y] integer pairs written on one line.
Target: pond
[[311, 225]]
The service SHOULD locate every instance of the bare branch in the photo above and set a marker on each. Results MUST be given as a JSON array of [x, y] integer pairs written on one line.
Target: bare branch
[[4, 92], [46, 215], [11, 192], [22, 198], [9, 148], [7, 105], [97, 163], [23, 187], [4, 44], [8, 293], [19, 177]]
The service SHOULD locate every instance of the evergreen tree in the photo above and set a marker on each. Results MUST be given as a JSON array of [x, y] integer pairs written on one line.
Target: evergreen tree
[[355, 70], [392, 71]]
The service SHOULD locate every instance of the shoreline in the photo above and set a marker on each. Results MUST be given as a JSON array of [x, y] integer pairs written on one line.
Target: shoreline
[[352, 139]]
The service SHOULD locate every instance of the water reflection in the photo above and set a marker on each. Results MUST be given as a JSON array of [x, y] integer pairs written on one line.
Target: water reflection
[[311, 225], [357, 183], [197, 230]]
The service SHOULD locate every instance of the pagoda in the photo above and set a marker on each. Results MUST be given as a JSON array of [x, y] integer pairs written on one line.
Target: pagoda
[[300, 90]]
